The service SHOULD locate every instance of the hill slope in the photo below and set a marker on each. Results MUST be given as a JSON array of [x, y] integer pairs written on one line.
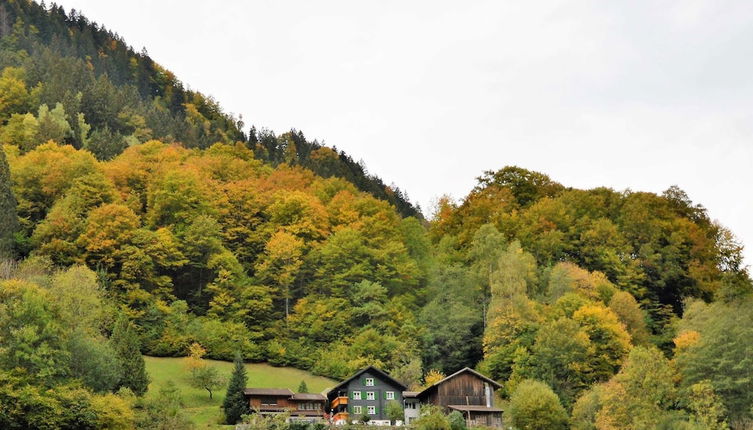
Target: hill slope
[[111, 97], [206, 413]]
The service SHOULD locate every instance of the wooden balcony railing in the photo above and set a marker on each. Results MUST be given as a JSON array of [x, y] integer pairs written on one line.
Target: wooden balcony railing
[[342, 400]]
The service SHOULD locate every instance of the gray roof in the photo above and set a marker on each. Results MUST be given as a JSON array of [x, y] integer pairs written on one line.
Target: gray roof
[[267, 392], [409, 394], [308, 396]]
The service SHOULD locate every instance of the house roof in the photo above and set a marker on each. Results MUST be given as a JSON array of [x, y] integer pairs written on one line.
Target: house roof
[[463, 370], [267, 392], [381, 373], [474, 408], [410, 394], [308, 396]]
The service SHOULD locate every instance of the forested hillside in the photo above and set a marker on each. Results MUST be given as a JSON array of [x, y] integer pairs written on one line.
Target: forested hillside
[[140, 218], [74, 81]]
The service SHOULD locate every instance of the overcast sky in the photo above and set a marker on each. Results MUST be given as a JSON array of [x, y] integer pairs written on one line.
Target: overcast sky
[[429, 94]]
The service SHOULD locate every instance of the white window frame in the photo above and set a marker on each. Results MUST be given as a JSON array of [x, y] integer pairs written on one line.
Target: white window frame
[[370, 395], [390, 395], [371, 410], [357, 410], [356, 395], [369, 382]]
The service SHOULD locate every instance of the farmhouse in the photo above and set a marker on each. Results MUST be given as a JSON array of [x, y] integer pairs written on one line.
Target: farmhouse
[[301, 406], [366, 393]]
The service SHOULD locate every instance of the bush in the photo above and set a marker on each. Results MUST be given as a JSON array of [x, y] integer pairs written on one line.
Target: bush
[[534, 406], [432, 418]]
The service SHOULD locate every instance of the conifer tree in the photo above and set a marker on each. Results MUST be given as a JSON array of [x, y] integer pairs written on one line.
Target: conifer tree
[[235, 405], [125, 342], [9, 225], [303, 388]]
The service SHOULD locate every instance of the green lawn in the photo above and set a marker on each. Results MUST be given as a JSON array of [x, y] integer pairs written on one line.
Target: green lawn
[[206, 413]]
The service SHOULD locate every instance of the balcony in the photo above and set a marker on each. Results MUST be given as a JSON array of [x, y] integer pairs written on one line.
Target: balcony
[[342, 400], [340, 417]]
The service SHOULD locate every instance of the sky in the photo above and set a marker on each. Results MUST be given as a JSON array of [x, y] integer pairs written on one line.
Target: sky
[[638, 95]]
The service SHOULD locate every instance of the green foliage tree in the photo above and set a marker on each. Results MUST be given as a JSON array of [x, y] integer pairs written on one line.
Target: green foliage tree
[[235, 405], [559, 358], [394, 411], [302, 387], [431, 417], [29, 406], [165, 411], [125, 342], [52, 124], [31, 338], [624, 305], [9, 226], [95, 363], [451, 340], [641, 394], [207, 378], [457, 420], [706, 406], [534, 406], [722, 353]]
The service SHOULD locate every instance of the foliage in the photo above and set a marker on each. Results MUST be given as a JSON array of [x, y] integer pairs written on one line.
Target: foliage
[[125, 343], [706, 406], [256, 421], [208, 378], [163, 412], [235, 405], [10, 225], [431, 417], [394, 411], [432, 377], [534, 406], [722, 352], [95, 363], [457, 421]]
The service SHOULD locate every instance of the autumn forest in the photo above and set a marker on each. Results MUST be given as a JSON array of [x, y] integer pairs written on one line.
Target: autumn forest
[[139, 218]]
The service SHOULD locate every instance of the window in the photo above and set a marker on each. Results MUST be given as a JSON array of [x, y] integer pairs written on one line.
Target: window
[[269, 401], [372, 410], [356, 395], [370, 395], [369, 382], [357, 410], [390, 395]]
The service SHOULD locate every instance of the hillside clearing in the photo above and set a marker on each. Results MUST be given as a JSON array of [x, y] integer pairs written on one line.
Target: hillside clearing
[[206, 413]]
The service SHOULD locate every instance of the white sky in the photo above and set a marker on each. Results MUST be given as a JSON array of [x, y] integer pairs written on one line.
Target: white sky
[[634, 94]]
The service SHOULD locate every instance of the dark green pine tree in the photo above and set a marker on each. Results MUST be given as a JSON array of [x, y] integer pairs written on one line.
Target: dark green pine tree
[[303, 388], [125, 342], [8, 217], [235, 404]]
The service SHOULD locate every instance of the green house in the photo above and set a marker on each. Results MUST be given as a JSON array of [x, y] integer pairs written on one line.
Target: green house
[[367, 392]]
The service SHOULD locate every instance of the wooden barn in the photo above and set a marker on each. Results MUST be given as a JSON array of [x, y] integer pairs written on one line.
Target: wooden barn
[[468, 392]]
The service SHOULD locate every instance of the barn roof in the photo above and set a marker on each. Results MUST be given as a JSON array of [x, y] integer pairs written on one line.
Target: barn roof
[[267, 392], [308, 396], [474, 408], [461, 371]]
